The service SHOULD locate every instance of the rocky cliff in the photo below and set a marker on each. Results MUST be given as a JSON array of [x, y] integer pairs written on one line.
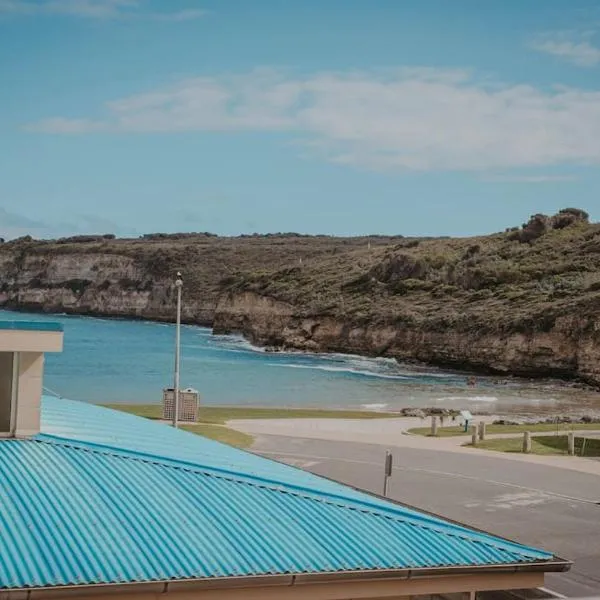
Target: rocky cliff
[[569, 349], [101, 275], [523, 302]]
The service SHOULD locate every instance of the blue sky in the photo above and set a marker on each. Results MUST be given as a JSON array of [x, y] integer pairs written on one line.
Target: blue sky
[[346, 117]]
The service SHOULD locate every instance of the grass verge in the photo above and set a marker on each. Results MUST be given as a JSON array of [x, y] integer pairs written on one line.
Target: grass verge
[[221, 414], [546, 444], [221, 434], [537, 428], [213, 430], [212, 418]]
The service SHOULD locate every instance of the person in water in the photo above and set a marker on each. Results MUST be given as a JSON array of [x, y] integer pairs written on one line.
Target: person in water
[[471, 381]]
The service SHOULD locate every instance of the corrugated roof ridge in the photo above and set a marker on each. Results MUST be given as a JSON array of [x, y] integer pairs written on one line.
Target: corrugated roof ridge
[[393, 512]]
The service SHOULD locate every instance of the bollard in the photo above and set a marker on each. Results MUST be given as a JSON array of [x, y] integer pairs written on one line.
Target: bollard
[[527, 442], [482, 430], [571, 443], [387, 471], [474, 435], [434, 426]]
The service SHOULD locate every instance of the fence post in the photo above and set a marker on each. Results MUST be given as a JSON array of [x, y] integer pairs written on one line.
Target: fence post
[[474, 435], [527, 442], [387, 471], [482, 430], [434, 426], [571, 443]]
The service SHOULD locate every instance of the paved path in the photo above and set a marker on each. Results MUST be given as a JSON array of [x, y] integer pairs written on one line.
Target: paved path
[[392, 433]]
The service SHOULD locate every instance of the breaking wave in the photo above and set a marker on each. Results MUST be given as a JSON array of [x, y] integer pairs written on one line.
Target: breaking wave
[[375, 406], [467, 399], [331, 369]]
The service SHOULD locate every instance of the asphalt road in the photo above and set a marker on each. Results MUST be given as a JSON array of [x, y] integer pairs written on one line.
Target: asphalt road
[[552, 508]]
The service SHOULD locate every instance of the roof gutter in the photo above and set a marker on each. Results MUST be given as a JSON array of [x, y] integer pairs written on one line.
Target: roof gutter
[[555, 566]]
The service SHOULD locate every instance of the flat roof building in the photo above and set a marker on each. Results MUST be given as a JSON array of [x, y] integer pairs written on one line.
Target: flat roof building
[[104, 504]]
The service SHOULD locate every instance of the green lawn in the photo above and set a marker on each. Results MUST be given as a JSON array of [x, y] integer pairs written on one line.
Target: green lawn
[[222, 414], [547, 444], [221, 434], [542, 427], [212, 418]]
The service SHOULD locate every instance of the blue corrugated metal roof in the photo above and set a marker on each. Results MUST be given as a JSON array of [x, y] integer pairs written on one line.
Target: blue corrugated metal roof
[[105, 497], [31, 325]]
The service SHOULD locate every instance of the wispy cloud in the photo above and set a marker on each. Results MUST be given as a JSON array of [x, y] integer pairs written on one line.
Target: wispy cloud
[[527, 178], [570, 46], [14, 225], [11, 219], [404, 119], [62, 125], [189, 14], [95, 9]]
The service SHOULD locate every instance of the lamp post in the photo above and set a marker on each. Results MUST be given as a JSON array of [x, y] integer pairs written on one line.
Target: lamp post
[[178, 286]]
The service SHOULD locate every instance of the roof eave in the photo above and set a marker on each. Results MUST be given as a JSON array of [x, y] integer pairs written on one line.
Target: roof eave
[[554, 566]]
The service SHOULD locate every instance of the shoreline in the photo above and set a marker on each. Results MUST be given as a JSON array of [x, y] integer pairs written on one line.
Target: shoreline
[[418, 417], [537, 414], [505, 378]]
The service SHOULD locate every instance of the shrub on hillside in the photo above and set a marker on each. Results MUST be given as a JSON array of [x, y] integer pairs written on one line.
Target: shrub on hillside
[[540, 224], [569, 216], [398, 267]]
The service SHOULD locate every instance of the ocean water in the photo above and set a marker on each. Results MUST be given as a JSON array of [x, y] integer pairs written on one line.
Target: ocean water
[[110, 360]]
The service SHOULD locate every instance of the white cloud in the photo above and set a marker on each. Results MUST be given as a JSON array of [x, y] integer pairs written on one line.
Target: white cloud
[[62, 125], [417, 119], [79, 8], [569, 46], [188, 14], [94, 9], [528, 178]]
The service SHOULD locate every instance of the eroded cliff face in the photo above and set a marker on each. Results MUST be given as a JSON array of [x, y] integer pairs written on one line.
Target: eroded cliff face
[[570, 350], [134, 277], [94, 284]]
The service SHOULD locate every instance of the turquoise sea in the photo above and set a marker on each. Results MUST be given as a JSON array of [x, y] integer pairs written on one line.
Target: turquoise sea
[[111, 360]]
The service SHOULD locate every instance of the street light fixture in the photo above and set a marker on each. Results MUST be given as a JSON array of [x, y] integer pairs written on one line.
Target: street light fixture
[[178, 286]]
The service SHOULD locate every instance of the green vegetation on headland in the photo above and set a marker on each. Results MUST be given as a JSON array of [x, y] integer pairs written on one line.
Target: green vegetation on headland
[[518, 280], [547, 444], [212, 418], [524, 301], [491, 429]]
